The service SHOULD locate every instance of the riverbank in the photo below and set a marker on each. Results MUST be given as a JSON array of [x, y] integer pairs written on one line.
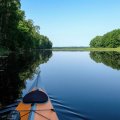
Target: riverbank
[[84, 49], [4, 51]]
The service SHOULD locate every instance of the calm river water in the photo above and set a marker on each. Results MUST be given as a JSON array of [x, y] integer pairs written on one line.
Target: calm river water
[[81, 85]]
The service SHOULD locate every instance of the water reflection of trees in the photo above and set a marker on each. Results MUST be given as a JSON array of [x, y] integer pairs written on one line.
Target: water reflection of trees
[[111, 59], [15, 69]]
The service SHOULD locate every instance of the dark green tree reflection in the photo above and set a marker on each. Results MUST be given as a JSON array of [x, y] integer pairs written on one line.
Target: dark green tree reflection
[[15, 69], [111, 59]]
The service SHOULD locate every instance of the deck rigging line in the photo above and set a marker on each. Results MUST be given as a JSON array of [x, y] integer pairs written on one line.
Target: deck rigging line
[[35, 83]]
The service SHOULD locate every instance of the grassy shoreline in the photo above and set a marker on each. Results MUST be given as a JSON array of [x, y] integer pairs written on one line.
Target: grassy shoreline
[[4, 51], [84, 49]]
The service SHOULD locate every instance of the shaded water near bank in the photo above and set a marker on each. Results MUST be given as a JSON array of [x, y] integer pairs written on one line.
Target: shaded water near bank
[[81, 85]]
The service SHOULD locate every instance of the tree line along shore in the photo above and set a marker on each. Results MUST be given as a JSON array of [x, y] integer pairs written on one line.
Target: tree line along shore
[[18, 33], [108, 42]]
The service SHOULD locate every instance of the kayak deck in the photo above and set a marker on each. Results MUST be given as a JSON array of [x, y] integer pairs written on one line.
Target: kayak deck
[[37, 111]]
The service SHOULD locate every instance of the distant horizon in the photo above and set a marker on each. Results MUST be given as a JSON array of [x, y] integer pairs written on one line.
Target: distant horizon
[[73, 23], [70, 46]]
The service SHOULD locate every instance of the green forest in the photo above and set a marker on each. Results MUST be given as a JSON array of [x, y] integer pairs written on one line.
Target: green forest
[[108, 40], [18, 33]]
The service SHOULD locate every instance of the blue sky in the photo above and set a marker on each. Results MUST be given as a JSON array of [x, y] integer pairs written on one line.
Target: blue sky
[[73, 22]]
